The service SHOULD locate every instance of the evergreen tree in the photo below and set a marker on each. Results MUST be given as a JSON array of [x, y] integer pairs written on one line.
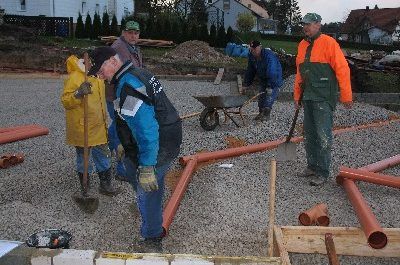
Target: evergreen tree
[[185, 32], [96, 26], [123, 22], [213, 36], [229, 34], [158, 30], [198, 14], [114, 26], [167, 29], [203, 34], [88, 26], [194, 33], [287, 12], [221, 37], [105, 25], [176, 32], [149, 28], [80, 28]]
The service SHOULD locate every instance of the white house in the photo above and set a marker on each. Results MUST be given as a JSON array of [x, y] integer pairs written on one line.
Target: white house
[[70, 8], [228, 11]]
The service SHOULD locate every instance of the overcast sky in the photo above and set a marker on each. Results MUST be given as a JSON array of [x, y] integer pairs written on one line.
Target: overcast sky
[[337, 10]]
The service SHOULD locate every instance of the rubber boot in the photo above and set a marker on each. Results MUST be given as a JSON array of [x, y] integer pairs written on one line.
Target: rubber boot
[[264, 114], [81, 182], [106, 187]]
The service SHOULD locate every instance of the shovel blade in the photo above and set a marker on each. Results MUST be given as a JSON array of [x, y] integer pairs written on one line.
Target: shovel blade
[[286, 152], [86, 203]]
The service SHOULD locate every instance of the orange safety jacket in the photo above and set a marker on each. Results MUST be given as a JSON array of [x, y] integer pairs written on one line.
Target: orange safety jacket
[[321, 71]]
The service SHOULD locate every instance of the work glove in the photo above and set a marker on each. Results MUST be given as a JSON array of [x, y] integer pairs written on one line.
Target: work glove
[[120, 152], [147, 178], [84, 89]]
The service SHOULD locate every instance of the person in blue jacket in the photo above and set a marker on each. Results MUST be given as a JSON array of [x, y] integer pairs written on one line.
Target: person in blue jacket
[[265, 64], [150, 131]]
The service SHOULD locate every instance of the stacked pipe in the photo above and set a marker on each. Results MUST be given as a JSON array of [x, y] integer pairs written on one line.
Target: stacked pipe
[[373, 231], [12, 134]]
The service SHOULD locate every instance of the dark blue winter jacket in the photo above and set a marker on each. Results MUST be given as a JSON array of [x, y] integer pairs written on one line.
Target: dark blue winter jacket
[[268, 69]]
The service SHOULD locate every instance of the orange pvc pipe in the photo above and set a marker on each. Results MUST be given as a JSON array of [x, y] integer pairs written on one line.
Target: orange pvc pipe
[[369, 224], [4, 162], [363, 175], [13, 136], [180, 189], [373, 231], [19, 128], [383, 164], [237, 151]]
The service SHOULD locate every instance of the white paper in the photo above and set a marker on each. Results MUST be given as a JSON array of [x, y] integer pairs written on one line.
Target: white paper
[[226, 165], [7, 246]]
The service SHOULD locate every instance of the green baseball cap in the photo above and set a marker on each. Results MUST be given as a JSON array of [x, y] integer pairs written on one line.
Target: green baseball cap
[[310, 18], [132, 25]]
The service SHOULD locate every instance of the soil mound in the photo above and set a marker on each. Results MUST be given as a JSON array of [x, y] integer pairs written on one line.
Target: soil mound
[[197, 51]]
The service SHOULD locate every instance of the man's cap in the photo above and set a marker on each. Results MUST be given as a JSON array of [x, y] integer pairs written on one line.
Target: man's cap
[[132, 25], [255, 44], [310, 18], [98, 56]]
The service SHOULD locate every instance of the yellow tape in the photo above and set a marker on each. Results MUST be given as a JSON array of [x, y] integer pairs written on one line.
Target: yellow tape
[[119, 255]]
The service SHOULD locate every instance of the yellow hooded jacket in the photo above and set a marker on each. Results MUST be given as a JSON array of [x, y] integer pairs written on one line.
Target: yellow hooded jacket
[[74, 107]]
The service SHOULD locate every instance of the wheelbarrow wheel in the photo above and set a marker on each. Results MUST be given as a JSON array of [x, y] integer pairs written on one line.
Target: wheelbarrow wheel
[[209, 119]]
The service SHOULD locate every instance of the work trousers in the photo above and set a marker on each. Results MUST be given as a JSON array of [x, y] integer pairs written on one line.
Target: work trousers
[[318, 122]]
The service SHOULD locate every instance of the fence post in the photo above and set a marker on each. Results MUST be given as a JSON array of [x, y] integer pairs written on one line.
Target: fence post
[[71, 27], [1, 16]]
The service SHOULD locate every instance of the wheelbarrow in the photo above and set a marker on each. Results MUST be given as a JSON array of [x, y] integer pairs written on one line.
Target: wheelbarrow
[[209, 117]]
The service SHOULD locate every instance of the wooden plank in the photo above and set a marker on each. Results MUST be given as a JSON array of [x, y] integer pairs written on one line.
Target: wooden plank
[[219, 76], [348, 241], [240, 84], [279, 246], [271, 216]]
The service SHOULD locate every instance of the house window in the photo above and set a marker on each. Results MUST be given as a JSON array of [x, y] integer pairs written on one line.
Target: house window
[[83, 7], [97, 8], [227, 4], [22, 5]]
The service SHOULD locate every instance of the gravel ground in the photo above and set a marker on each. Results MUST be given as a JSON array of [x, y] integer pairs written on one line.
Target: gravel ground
[[224, 211]]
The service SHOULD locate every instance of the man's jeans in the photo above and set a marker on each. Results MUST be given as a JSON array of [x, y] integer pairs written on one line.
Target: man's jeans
[[149, 203], [100, 155], [266, 100]]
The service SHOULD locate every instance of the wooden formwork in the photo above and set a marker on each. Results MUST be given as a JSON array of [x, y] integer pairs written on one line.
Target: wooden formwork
[[348, 241]]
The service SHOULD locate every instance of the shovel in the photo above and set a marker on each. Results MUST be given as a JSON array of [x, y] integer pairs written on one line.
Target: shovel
[[85, 201], [287, 150]]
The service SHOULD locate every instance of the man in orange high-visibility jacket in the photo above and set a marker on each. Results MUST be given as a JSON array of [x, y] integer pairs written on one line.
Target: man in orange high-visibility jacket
[[322, 70]]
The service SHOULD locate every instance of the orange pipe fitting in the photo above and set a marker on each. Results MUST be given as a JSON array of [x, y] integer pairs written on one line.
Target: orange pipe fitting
[[373, 231], [176, 197], [363, 175], [317, 215], [4, 162]]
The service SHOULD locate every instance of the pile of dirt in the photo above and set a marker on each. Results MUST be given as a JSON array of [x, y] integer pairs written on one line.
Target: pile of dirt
[[196, 51]]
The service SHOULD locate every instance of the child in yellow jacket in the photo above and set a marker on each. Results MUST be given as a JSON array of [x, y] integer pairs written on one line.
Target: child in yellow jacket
[[75, 88]]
